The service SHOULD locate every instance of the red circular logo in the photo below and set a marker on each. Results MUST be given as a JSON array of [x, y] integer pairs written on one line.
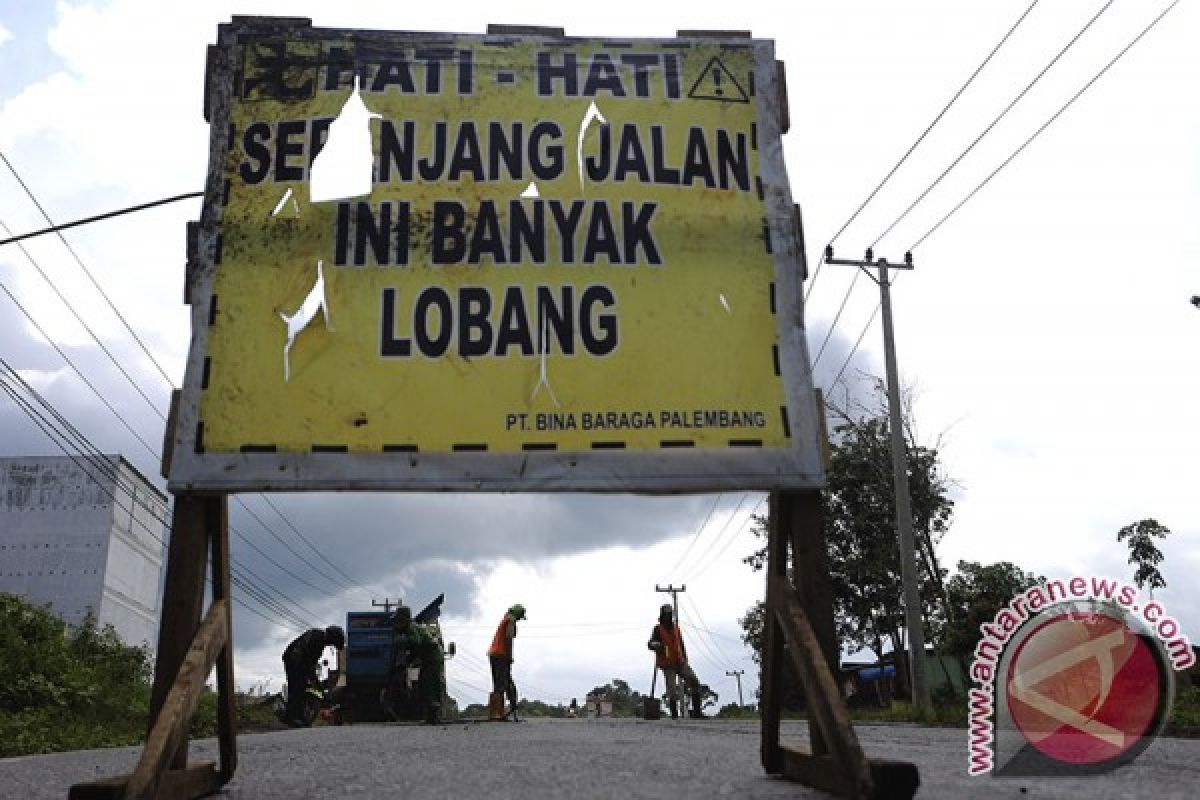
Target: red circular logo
[[1083, 688]]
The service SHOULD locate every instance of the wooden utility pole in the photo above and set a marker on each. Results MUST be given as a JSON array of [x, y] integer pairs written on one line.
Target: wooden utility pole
[[913, 622], [387, 604], [674, 592], [737, 674]]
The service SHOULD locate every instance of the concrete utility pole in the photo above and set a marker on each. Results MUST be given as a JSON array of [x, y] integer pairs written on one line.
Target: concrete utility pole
[[737, 673], [387, 604], [908, 564], [674, 592]]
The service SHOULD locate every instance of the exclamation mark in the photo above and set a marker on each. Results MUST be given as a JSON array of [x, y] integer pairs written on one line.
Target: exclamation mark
[[717, 81]]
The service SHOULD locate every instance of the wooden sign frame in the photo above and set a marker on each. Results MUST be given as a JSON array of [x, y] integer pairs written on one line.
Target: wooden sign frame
[[799, 616]]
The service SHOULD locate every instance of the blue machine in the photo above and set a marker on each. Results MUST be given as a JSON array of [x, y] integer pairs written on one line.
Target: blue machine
[[369, 662]]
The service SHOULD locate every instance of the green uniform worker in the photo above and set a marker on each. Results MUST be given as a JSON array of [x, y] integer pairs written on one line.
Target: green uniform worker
[[413, 645]]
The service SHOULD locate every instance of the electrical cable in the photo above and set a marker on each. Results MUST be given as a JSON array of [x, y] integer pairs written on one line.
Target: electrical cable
[[86, 271], [352, 583], [88, 220], [1045, 125], [87, 327], [838, 316], [74, 368], [700, 618], [139, 341], [994, 122], [696, 535], [700, 559], [129, 428], [99, 456], [917, 143], [857, 343], [728, 542], [61, 440]]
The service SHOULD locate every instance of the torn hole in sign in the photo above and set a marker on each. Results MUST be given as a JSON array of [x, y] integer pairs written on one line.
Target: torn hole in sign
[[531, 191], [314, 302], [543, 376], [344, 166], [284, 199], [591, 115]]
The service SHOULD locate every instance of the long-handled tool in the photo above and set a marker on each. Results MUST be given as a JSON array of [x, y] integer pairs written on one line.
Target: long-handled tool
[[650, 707]]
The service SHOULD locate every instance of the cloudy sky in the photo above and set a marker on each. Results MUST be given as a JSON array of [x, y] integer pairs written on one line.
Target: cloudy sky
[[1046, 330]]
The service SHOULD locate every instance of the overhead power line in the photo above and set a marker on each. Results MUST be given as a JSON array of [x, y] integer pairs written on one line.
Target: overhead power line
[[917, 143], [138, 389], [994, 122], [1004, 164], [79, 318], [75, 445], [107, 215], [696, 535], [857, 344], [716, 559], [1045, 125], [713, 543], [86, 271]]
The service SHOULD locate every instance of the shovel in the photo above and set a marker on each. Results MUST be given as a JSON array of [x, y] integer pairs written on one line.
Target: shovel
[[651, 708]]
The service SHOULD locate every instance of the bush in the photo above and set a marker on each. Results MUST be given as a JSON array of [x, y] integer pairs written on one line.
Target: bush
[[67, 688]]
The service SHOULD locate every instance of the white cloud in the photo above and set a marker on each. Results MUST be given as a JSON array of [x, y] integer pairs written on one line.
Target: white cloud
[[5, 35]]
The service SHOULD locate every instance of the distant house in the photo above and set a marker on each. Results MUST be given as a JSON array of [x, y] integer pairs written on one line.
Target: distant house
[[598, 706], [82, 535]]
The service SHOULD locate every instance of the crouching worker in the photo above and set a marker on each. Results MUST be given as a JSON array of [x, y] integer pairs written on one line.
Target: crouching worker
[[300, 659], [414, 646], [666, 640]]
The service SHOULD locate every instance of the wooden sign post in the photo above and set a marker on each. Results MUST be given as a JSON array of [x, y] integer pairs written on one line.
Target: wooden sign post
[[799, 620], [188, 649]]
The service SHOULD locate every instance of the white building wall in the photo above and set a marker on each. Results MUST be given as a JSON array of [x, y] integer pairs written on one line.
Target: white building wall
[[64, 541]]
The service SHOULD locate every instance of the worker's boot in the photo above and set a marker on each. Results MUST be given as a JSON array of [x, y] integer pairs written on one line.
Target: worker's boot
[[697, 711], [674, 706]]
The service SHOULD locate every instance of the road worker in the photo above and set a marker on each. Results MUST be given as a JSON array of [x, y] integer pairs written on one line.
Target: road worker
[[300, 660], [666, 640], [412, 646], [500, 654]]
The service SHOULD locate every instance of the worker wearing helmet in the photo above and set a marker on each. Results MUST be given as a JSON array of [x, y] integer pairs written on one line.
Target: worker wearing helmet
[[666, 640], [500, 654], [414, 646], [300, 659]]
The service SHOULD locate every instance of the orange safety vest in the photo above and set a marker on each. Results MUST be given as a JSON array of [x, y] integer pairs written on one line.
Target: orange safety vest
[[671, 654], [500, 640]]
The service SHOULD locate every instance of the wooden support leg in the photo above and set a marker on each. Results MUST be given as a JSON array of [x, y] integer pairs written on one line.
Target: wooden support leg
[[836, 762], [772, 664], [188, 651], [801, 520], [183, 600], [217, 514]]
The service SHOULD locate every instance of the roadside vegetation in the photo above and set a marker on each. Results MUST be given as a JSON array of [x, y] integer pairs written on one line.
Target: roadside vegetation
[[76, 688]]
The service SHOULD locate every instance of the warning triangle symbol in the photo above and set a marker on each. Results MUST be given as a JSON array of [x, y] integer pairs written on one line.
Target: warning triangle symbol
[[716, 82]]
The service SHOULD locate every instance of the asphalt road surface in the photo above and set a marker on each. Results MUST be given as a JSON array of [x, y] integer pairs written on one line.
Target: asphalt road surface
[[618, 758]]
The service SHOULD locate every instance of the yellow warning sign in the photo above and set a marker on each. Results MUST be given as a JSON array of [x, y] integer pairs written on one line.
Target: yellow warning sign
[[493, 245]]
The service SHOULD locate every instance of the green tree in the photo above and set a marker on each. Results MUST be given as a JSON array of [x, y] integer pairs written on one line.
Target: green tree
[[1143, 553], [860, 533], [975, 594]]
